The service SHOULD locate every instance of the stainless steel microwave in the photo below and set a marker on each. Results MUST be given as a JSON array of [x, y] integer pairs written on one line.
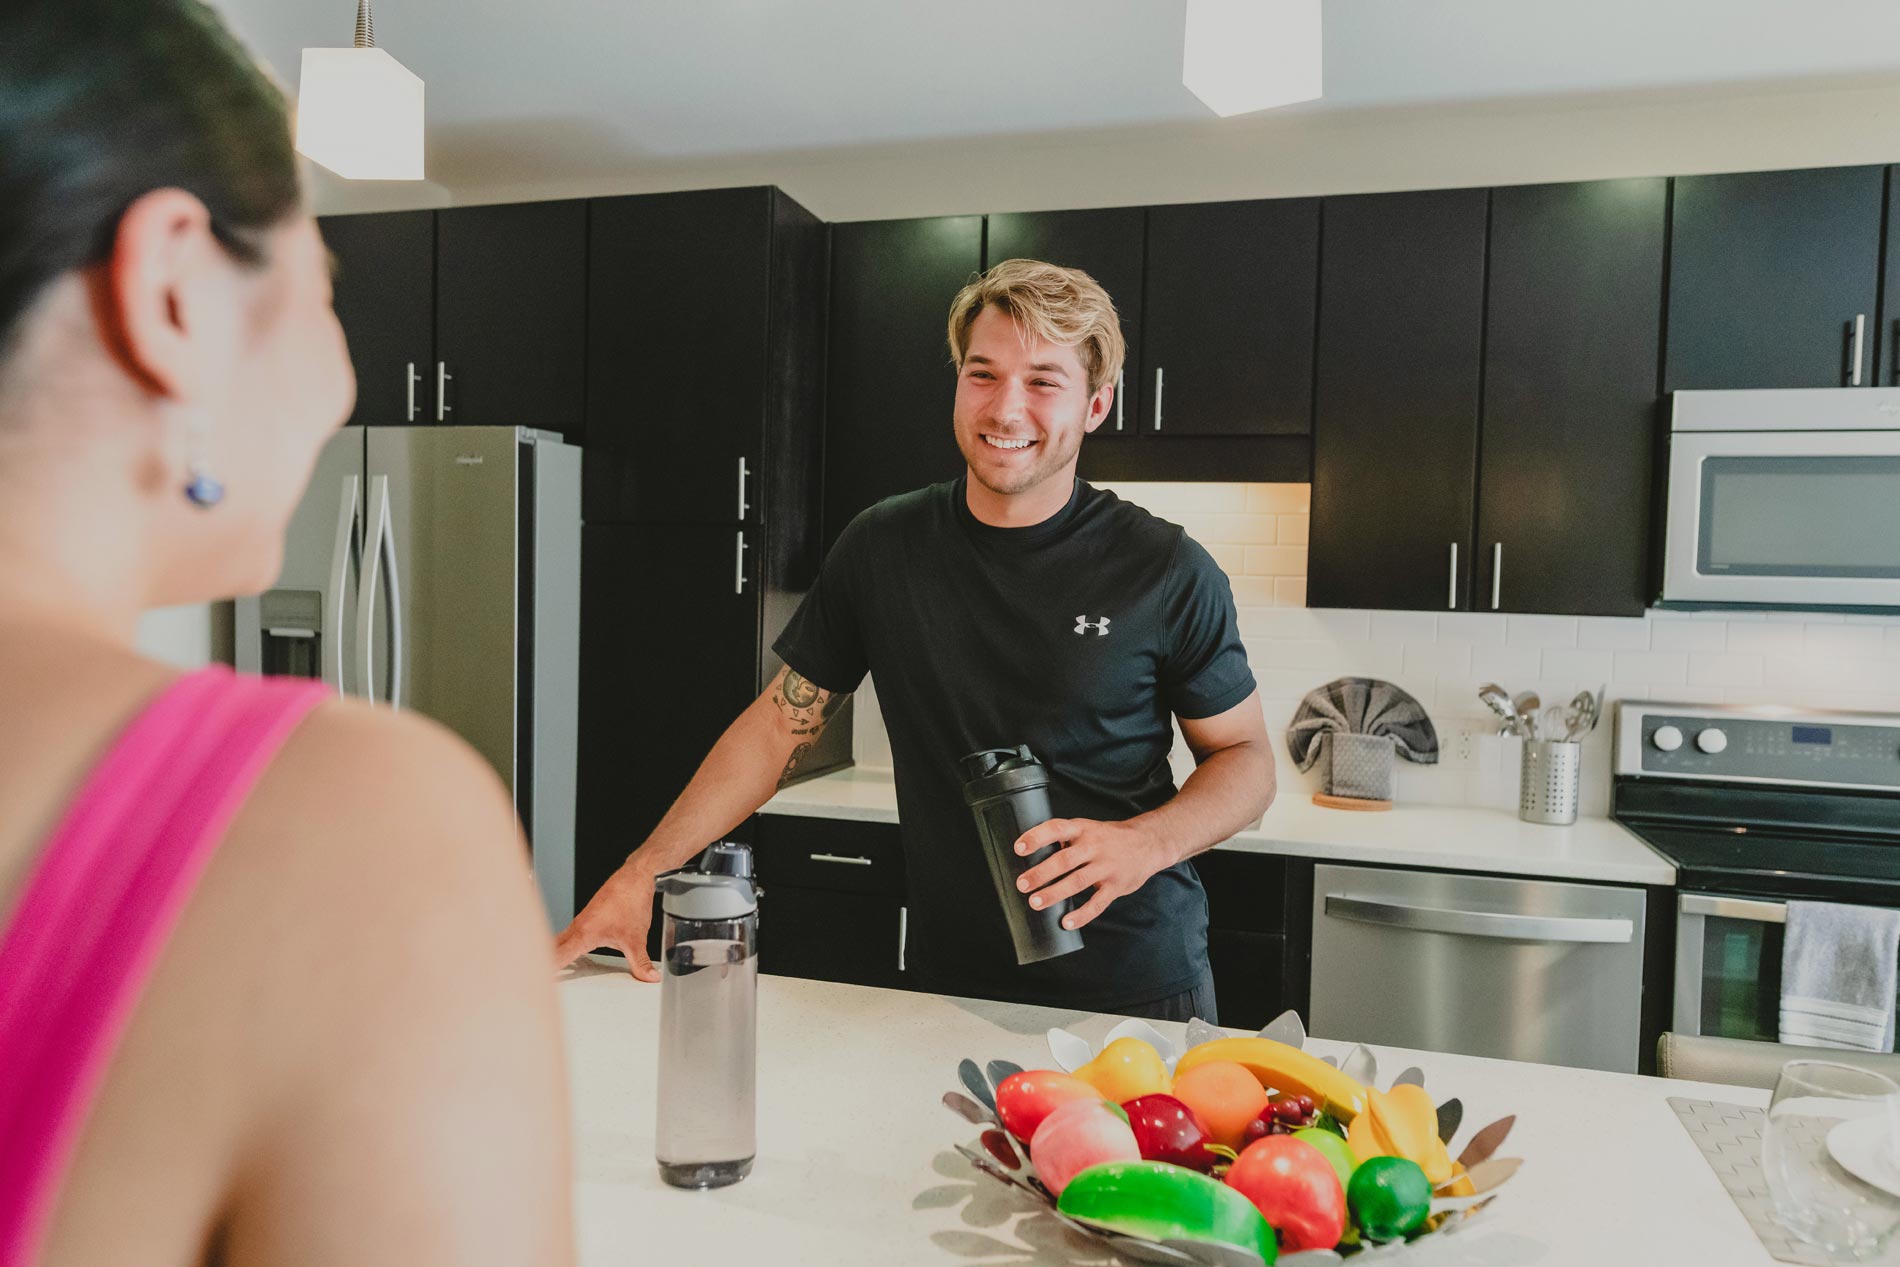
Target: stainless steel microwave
[[1783, 498]]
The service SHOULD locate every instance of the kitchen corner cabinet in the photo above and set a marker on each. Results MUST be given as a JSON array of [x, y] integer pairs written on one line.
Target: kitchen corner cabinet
[[1395, 427], [384, 288], [891, 387], [1108, 245], [469, 316], [832, 907], [1256, 943], [1572, 334], [1770, 273]]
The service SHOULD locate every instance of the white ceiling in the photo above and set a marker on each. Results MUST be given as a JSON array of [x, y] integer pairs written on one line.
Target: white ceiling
[[550, 89]]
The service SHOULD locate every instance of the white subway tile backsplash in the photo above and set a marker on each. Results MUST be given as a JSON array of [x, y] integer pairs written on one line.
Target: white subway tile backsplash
[[1688, 635], [1257, 533]]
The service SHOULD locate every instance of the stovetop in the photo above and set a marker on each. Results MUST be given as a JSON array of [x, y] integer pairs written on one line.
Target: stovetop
[[1777, 802]]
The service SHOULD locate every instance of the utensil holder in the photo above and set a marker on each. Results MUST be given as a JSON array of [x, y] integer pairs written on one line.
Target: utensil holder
[[1360, 766], [1547, 781]]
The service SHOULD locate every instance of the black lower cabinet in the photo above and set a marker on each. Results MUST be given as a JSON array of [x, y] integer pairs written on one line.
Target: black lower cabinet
[[833, 902], [1249, 976], [1254, 905]]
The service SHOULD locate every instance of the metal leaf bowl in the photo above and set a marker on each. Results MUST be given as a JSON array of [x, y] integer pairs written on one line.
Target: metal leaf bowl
[[1002, 1159]]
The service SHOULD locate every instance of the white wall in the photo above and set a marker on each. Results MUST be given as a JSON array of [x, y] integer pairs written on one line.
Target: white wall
[[178, 635], [1257, 532], [1276, 155]]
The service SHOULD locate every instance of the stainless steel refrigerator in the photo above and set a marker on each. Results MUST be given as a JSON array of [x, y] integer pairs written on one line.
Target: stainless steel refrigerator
[[438, 569]]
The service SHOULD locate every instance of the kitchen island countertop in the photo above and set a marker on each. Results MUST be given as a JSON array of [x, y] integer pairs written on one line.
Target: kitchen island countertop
[[1451, 838], [855, 1164]]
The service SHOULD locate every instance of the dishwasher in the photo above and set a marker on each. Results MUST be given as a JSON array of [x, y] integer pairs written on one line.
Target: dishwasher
[[1523, 969]]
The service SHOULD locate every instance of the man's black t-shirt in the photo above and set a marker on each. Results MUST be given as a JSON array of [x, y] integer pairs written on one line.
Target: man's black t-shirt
[[1078, 636]]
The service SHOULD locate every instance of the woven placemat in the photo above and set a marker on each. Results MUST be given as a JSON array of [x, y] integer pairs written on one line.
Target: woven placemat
[[1729, 1136]]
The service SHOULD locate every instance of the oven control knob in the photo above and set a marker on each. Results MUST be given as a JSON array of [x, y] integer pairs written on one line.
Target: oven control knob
[[1668, 738], [1711, 741]]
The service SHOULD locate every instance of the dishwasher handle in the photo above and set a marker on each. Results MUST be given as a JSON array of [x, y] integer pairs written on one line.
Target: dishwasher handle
[[1436, 919]]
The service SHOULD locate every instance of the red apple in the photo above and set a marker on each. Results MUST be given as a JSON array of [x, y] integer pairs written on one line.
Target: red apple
[[1078, 1135], [1167, 1130], [1024, 1099], [1295, 1188]]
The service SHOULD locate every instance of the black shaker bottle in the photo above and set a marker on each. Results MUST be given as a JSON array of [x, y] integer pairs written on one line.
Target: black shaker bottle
[[1008, 791]]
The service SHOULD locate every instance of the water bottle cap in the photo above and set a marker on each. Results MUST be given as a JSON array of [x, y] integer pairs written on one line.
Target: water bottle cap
[[720, 887]]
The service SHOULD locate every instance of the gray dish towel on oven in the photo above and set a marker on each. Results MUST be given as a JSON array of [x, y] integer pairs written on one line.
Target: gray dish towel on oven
[[1838, 971]]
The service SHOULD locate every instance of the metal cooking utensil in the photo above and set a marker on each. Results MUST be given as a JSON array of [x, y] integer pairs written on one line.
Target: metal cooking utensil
[[1494, 698], [1527, 706], [1553, 724]]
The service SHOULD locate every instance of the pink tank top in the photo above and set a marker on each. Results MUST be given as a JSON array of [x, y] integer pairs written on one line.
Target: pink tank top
[[99, 905]]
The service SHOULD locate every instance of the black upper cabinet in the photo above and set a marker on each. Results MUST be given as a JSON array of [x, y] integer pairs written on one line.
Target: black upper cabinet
[[385, 299], [1768, 274], [1395, 428], [511, 313], [892, 387], [1572, 339], [1105, 244], [1887, 340], [677, 324], [1227, 327]]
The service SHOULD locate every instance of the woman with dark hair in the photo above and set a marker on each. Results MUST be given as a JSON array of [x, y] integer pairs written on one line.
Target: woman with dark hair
[[243, 1019]]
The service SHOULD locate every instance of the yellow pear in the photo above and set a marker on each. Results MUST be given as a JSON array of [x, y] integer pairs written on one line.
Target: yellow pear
[[1126, 1068]]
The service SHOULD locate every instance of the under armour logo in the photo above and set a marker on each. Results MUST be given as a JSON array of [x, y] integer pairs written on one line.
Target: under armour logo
[[1083, 624]]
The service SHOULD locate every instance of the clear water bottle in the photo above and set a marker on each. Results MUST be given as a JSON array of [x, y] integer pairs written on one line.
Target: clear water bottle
[[709, 999]]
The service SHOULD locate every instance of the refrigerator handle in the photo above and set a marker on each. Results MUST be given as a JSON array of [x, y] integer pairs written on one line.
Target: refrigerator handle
[[333, 640], [379, 550]]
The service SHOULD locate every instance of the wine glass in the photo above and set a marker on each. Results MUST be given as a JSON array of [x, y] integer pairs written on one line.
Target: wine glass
[[1829, 1158]]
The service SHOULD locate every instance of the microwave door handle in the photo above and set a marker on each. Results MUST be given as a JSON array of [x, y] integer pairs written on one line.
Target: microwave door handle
[[333, 640], [1733, 908], [368, 583], [1433, 919]]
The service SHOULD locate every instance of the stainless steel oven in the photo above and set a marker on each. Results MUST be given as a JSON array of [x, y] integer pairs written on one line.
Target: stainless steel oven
[[1783, 498], [1757, 807]]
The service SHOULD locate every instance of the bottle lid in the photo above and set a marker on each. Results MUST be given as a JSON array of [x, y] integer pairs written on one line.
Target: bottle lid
[[719, 887], [999, 771]]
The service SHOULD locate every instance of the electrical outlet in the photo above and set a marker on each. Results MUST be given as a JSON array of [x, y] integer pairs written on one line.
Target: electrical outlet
[[1463, 748]]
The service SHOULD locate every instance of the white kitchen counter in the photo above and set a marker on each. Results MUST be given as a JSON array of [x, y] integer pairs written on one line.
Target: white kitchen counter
[[855, 1164], [1452, 838]]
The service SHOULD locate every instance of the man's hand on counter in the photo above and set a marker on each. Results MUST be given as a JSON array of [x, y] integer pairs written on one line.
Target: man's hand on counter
[[618, 916], [1114, 859]]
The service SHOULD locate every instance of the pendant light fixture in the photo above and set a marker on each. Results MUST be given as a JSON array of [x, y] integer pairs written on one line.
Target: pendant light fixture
[[1247, 55], [359, 110]]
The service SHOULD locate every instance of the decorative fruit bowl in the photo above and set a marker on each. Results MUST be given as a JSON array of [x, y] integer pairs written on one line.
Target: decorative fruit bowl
[[1233, 1153]]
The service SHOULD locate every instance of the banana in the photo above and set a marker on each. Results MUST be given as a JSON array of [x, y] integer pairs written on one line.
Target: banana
[[1285, 1069], [1401, 1123]]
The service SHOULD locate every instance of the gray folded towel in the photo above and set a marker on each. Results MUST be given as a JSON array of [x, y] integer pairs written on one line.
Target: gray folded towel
[[1354, 720], [1839, 966]]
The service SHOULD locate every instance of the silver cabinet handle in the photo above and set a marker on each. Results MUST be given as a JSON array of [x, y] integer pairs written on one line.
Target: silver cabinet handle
[[412, 379], [1157, 398], [849, 860], [1497, 572], [1733, 908], [379, 551], [903, 935], [1860, 330], [333, 592], [442, 380], [1121, 397], [744, 505], [1451, 586], [1432, 919], [738, 567]]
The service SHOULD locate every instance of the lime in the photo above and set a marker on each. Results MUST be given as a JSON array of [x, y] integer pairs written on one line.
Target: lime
[[1389, 1197]]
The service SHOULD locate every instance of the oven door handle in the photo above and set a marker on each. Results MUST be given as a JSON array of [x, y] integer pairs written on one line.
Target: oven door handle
[[1733, 908], [1433, 919]]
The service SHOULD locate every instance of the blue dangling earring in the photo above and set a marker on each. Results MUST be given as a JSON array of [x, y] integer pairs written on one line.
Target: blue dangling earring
[[201, 490]]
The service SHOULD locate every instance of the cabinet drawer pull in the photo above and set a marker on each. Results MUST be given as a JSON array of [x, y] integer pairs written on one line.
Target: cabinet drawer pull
[[903, 934], [850, 860], [1497, 572], [413, 379], [1157, 398], [738, 566], [442, 380], [744, 505], [1451, 586], [1121, 397]]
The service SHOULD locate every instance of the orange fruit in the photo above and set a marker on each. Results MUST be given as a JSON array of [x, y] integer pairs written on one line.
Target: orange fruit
[[1225, 1097]]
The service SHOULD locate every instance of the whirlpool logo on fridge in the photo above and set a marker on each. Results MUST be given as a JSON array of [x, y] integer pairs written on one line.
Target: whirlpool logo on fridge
[[1083, 624]]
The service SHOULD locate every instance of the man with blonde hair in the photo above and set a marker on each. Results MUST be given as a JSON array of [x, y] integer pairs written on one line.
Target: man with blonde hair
[[1013, 605]]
